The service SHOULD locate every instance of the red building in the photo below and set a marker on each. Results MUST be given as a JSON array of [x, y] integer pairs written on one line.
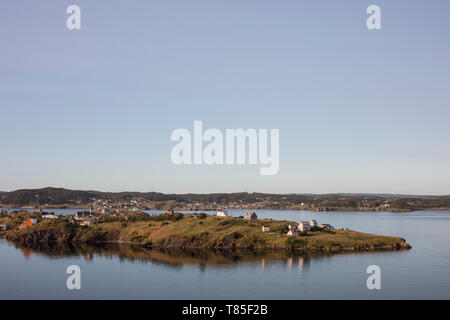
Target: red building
[[28, 223]]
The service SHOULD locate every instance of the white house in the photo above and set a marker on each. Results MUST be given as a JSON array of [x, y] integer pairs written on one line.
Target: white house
[[292, 233], [313, 223], [265, 229], [86, 222], [83, 215], [251, 215], [49, 216], [222, 213], [304, 226]]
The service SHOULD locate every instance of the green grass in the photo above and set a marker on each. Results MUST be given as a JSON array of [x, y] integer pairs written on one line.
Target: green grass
[[209, 231]]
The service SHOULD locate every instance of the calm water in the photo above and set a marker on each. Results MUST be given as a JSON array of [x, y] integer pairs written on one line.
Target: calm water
[[123, 272]]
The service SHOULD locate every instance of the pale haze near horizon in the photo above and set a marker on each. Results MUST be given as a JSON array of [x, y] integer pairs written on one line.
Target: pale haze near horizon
[[358, 110]]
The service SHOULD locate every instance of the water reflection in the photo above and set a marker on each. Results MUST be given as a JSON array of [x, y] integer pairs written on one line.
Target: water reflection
[[176, 258]]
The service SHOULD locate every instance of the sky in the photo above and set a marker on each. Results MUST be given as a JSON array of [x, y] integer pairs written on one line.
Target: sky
[[358, 110]]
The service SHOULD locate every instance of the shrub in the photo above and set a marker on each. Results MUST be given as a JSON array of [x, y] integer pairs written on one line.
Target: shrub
[[296, 242], [224, 222], [177, 216], [166, 217], [236, 235]]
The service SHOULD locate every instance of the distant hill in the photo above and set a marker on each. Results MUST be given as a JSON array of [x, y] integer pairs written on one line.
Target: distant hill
[[373, 195], [341, 201], [58, 196]]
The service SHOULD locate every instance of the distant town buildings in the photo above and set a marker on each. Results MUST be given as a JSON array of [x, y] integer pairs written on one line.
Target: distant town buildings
[[265, 229], [326, 226], [292, 233], [4, 227]]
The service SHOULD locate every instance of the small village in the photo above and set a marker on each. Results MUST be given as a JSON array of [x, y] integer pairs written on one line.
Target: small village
[[82, 218], [101, 214], [53, 199], [193, 230]]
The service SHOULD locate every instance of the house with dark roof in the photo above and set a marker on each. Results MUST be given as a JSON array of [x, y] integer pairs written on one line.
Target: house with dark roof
[[251, 215]]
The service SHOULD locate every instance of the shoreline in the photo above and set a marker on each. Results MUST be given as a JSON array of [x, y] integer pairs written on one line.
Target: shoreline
[[51, 198], [86, 207], [201, 231], [396, 247], [335, 249]]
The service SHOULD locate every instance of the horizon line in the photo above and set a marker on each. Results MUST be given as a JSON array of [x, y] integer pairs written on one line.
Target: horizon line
[[249, 192]]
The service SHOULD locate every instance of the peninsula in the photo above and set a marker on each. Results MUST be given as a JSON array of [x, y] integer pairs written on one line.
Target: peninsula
[[189, 231]]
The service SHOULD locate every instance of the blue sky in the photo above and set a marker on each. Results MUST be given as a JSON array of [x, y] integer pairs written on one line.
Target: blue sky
[[358, 110]]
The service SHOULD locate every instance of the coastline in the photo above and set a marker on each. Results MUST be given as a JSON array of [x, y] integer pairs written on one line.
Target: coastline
[[215, 208], [60, 198], [195, 231]]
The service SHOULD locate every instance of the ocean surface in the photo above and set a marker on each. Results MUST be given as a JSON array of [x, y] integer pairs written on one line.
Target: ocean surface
[[125, 272]]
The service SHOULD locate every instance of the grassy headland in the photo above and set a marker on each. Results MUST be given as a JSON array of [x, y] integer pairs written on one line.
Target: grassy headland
[[194, 231]]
